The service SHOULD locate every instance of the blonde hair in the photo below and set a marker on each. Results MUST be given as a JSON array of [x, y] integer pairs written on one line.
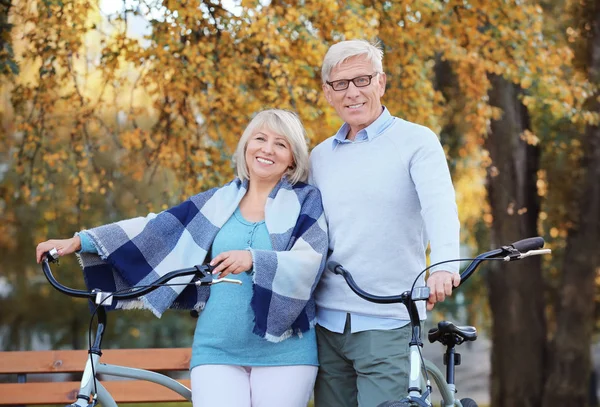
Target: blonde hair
[[344, 50], [286, 124]]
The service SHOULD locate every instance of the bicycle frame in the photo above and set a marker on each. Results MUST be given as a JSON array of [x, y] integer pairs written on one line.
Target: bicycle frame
[[91, 385], [418, 391], [448, 391], [416, 379], [104, 397]]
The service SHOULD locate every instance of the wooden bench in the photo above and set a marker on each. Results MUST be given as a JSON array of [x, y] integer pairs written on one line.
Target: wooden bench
[[17, 365]]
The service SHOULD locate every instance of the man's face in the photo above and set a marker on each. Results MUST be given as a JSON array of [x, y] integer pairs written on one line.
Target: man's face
[[357, 106]]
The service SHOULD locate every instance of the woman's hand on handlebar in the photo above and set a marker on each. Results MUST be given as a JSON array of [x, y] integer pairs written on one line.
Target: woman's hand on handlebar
[[233, 261], [440, 285], [64, 247]]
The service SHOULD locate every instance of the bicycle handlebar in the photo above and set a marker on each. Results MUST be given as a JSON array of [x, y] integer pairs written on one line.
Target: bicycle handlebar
[[531, 246], [202, 271]]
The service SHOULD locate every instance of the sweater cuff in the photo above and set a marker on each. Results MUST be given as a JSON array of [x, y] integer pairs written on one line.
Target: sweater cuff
[[86, 243], [449, 251]]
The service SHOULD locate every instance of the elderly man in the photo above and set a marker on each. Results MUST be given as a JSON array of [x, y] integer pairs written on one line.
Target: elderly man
[[387, 193]]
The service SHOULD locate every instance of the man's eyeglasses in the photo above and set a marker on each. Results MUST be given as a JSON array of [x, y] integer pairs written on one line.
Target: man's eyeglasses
[[359, 82]]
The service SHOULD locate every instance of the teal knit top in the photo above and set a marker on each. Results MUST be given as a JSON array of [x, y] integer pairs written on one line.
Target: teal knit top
[[224, 330]]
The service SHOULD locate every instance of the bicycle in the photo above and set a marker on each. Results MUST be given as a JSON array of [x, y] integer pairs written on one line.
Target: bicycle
[[450, 335], [91, 391]]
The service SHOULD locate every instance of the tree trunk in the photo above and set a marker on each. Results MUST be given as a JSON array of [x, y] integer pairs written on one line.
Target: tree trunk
[[570, 365], [7, 60], [515, 290]]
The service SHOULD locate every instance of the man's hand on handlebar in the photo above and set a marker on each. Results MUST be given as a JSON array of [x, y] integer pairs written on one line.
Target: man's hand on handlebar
[[64, 247], [440, 285]]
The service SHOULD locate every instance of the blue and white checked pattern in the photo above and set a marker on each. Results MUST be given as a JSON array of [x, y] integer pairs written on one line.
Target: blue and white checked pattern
[[137, 251]]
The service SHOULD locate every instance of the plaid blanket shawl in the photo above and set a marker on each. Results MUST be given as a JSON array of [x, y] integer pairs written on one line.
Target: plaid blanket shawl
[[137, 251]]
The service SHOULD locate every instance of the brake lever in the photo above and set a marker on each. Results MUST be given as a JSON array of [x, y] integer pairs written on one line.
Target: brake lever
[[530, 253], [208, 280], [538, 252], [226, 280]]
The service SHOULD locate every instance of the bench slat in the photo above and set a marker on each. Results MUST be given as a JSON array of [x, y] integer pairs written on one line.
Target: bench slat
[[66, 361], [123, 391]]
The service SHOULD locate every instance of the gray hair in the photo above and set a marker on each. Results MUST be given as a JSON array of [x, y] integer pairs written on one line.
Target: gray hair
[[286, 124], [341, 51]]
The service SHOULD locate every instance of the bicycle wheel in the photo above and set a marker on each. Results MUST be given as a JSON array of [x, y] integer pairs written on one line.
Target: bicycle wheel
[[394, 403], [468, 403]]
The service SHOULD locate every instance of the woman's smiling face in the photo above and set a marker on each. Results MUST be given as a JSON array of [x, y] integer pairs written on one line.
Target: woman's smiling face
[[268, 155]]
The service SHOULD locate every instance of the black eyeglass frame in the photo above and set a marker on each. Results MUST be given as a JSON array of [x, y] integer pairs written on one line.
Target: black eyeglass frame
[[353, 81]]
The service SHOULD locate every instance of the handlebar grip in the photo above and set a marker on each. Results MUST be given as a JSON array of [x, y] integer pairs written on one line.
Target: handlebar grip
[[531, 243], [334, 266]]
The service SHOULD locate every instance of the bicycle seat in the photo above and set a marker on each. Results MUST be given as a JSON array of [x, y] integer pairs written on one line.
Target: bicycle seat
[[448, 333]]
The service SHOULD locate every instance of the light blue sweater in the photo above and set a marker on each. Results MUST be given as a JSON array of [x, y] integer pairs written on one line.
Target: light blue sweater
[[385, 195]]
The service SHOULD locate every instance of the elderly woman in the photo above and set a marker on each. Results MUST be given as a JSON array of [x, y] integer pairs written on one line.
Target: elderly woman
[[254, 345]]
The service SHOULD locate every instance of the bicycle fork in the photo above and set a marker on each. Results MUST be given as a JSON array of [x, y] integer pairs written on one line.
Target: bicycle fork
[[88, 383], [417, 382]]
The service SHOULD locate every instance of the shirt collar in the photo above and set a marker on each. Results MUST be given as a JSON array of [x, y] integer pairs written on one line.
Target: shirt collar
[[370, 132]]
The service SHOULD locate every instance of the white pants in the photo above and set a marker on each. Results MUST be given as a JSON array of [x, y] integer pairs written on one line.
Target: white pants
[[239, 386]]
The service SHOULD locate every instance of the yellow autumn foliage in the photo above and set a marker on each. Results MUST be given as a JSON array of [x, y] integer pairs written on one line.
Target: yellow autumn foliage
[[97, 105]]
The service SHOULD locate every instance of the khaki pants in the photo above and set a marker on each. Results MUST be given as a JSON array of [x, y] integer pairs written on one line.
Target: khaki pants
[[363, 369]]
